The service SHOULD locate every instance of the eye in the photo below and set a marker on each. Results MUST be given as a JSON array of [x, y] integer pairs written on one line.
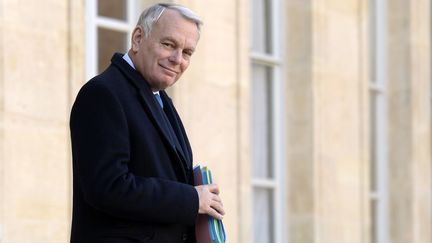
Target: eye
[[187, 53], [168, 44]]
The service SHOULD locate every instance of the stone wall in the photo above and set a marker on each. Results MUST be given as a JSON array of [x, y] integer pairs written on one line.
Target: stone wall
[[326, 60], [35, 156]]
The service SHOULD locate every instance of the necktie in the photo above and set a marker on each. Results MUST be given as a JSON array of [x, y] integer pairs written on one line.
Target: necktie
[[170, 130], [158, 98]]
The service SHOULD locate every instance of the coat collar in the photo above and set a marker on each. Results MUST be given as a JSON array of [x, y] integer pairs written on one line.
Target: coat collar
[[149, 103]]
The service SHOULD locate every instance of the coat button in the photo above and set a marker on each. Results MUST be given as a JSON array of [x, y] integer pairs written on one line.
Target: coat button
[[184, 236]]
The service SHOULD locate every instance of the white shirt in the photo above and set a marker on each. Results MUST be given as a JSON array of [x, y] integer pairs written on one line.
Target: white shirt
[[128, 60]]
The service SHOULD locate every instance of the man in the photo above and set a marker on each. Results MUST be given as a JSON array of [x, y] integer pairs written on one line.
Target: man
[[132, 162]]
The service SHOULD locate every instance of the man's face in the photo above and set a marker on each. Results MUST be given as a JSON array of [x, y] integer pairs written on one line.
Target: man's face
[[164, 55]]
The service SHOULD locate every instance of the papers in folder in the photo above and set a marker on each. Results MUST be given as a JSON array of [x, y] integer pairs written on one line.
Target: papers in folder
[[207, 228]]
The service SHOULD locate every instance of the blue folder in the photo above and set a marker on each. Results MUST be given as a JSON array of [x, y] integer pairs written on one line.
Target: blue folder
[[216, 230]]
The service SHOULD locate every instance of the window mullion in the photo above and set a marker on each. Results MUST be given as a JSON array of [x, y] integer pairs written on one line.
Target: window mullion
[[379, 121], [112, 24], [91, 39], [264, 183], [265, 59]]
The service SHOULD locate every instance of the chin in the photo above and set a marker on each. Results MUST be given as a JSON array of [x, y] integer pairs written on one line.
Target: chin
[[168, 83], [163, 85]]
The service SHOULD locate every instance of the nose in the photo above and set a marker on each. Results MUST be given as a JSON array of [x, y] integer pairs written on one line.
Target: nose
[[176, 57]]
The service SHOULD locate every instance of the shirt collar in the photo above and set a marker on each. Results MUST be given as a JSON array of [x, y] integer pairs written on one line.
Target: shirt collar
[[128, 60]]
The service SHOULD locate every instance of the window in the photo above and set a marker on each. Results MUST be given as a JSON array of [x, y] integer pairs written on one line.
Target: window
[[109, 24], [267, 130], [378, 124]]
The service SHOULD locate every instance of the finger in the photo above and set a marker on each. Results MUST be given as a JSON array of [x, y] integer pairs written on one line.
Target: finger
[[217, 199], [215, 214], [218, 207]]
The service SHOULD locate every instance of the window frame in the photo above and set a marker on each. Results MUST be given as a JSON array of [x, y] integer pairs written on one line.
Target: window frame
[[379, 123], [94, 21], [275, 63]]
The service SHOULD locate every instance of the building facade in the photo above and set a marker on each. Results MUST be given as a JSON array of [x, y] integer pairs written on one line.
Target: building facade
[[314, 115]]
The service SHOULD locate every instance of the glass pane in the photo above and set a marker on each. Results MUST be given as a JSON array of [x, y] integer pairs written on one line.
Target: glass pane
[[263, 216], [261, 26], [112, 9], [109, 41], [261, 122], [373, 139]]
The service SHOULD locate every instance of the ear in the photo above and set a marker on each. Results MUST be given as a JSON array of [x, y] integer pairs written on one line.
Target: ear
[[137, 37]]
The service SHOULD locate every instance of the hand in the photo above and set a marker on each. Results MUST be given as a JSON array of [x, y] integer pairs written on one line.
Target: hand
[[209, 201]]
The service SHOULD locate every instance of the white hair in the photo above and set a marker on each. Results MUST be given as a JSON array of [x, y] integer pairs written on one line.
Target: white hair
[[152, 14]]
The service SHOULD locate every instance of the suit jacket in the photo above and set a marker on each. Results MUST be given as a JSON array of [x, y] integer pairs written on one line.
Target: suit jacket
[[132, 179]]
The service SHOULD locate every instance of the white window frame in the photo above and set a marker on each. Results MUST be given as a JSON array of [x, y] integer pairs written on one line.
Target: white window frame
[[274, 62], [378, 88], [94, 21]]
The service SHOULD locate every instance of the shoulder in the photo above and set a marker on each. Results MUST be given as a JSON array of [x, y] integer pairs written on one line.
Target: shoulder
[[95, 89], [100, 91], [106, 84]]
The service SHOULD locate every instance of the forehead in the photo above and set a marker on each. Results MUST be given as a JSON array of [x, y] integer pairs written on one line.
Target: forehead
[[173, 25]]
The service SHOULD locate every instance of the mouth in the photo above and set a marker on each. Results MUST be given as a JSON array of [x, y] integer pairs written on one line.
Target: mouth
[[173, 72]]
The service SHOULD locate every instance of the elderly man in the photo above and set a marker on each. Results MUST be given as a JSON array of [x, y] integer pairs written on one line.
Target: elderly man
[[132, 162]]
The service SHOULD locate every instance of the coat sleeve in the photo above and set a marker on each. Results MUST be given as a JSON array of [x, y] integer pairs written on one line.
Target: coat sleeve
[[101, 153]]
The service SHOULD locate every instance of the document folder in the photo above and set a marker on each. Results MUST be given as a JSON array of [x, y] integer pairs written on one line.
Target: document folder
[[207, 228]]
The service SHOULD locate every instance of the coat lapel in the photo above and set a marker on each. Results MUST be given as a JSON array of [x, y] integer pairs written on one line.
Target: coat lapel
[[177, 127], [150, 105]]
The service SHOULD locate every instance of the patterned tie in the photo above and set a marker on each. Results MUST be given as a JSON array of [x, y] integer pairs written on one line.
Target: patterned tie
[[158, 98]]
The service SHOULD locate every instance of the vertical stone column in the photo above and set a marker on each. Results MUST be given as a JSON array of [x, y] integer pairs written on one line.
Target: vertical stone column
[[76, 55], [420, 12], [326, 107], [243, 120], [409, 116], [410, 123], [34, 114], [400, 140], [300, 175], [2, 158], [338, 121]]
